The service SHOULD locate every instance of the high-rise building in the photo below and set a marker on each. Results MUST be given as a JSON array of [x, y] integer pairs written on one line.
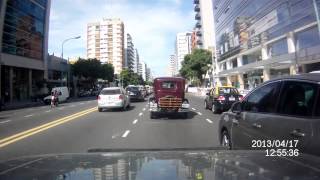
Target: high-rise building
[[129, 53], [144, 70], [148, 74], [204, 27], [260, 40], [24, 48], [136, 61], [105, 41], [173, 66], [183, 47]]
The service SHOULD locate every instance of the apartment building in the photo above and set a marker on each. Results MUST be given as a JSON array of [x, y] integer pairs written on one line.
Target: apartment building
[[105, 41], [260, 40], [183, 47]]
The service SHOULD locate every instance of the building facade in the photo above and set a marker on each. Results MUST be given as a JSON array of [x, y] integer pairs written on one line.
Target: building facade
[[24, 46], [129, 53], [144, 70], [204, 27], [173, 66], [260, 40], [183, 47], [105, 41], [136, 61]]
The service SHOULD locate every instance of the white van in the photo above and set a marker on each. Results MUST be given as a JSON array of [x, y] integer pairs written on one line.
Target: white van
[[63, 95]]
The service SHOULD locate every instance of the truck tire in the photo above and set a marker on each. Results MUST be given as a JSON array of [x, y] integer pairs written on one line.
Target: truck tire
[[153, 115], [100, 109]]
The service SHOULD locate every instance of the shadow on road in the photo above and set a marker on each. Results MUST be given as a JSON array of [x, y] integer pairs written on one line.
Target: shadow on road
[[176, 116], [119, 109]]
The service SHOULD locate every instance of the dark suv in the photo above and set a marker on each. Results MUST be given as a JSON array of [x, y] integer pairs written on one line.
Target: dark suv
[[278, 111]]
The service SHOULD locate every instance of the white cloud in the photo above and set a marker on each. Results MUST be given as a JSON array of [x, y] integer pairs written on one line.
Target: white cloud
[[153, 26]]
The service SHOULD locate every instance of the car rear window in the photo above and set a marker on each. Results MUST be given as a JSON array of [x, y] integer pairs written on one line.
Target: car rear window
[[110, 91], [132, 89], [168, 85], [226, 90]]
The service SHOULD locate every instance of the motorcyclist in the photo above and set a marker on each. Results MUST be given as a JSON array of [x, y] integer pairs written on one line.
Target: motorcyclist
[[54, 98]]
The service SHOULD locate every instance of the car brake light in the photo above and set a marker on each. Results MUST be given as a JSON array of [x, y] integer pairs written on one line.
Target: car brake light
[[240, 98], [221, 98], [121, 96], [99, 97]]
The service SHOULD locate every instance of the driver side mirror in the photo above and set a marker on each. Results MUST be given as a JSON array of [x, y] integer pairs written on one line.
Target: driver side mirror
[[236, 107]]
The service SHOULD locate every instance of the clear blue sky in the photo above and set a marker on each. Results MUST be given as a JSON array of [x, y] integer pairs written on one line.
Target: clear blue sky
[[153, 25]]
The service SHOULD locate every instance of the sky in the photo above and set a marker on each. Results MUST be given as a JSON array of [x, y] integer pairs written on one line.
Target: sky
[[153, 25]]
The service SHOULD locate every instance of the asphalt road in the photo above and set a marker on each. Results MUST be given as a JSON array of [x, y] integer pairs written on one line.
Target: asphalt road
[[76, 127]]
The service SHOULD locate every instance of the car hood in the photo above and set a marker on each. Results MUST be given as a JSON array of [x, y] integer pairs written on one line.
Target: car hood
[[211, 164]]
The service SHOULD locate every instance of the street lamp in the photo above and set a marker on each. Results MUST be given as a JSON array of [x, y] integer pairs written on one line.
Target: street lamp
[[68, 78]]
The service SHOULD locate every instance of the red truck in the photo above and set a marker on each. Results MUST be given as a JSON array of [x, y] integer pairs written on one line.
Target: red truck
[[169, 97]]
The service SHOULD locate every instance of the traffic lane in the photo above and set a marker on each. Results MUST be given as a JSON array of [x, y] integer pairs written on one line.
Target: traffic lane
[[197, 105], [171, 132], [16, 123], [93, 130]]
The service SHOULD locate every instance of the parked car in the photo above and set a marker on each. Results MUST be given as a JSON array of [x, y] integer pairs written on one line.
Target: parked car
[[63, 95], [221, 98], [283, 109], [169, 97], [134, 93], [191, 89], [244, 92], [113, 97]]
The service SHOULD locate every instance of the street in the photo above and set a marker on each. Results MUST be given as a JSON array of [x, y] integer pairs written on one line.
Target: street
[[76, 127]]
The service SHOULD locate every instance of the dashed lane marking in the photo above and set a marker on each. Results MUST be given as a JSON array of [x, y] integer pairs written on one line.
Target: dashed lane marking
[[140, 114], [209, 121], [2, 122], [48, 111], [199, 113], [135, 121], [143, 109], [60, 108], [26, 116], [193, 109], [73, 105], [81, 103], [125, 134]]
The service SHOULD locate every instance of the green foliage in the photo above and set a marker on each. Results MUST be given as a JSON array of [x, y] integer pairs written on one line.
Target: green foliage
[[130, 78], [196, 64], [92, 69]]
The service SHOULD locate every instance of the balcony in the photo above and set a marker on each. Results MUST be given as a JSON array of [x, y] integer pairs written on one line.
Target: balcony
[[198, 25], [197, 16], [197, 8], [198, 33], [196, 2]]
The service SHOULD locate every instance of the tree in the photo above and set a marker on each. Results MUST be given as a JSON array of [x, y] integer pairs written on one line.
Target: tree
[[195, 65], [128, 77], [107, 72]]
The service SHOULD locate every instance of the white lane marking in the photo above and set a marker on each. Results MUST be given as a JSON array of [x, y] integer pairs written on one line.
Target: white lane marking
[[60, 108], [143, 109], [135, 121], [150, 109], [28, 115], [73, 105], [199, 113], [125, 134], [140, 114], [81, 103], [2, 122], [193, 109], [48, 111], [209, 121]]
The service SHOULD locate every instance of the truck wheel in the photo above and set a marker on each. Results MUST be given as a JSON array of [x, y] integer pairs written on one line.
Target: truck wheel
[[100, 109], [153, 115]]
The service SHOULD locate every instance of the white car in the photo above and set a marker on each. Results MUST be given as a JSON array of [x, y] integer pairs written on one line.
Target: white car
[[113, 97]]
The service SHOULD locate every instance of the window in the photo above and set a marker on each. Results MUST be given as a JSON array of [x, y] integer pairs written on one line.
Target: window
[[307, 38], [226, 90], [168, 85], [278, 48], [110, 91], [263, 99], [318, 106], [297, 98]]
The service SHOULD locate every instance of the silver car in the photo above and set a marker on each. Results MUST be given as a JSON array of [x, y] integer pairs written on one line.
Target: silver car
[[113, 97]]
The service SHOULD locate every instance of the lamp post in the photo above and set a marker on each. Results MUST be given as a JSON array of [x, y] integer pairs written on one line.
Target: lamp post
[[68, 77]]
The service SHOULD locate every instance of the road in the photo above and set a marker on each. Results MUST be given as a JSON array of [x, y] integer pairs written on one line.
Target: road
[[76, 127]]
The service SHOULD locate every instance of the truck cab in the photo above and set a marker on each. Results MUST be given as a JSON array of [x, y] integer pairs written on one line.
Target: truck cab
[[169, 97]]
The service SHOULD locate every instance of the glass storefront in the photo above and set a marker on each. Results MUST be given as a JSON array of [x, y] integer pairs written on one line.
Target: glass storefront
[[307, 38], [246, 24], [23, 30]]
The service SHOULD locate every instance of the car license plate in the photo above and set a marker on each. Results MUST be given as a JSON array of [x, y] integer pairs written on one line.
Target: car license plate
[[231, 98]]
